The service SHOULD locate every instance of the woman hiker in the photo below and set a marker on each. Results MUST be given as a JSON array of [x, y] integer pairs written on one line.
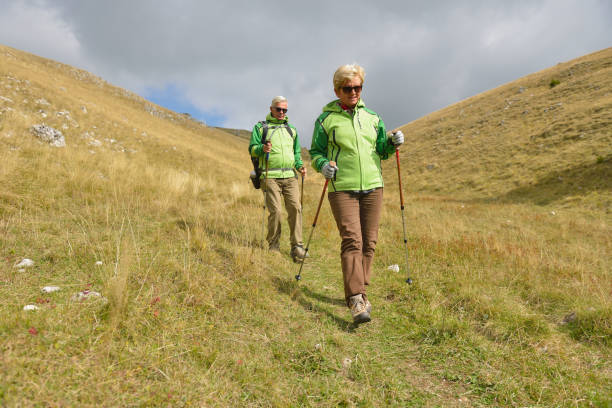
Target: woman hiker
[[354, 137]]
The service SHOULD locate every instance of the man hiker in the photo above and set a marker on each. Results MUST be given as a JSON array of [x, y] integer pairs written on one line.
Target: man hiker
[[275, 142]]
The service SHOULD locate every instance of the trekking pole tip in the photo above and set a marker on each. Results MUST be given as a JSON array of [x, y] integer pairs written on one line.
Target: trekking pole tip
[[298, 277], [409, 281]]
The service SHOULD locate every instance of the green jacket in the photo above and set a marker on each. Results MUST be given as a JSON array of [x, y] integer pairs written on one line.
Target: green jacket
[[357, 143], [285, 153]]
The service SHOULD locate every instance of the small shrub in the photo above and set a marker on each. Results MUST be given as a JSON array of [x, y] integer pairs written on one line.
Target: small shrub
[[554, 82]]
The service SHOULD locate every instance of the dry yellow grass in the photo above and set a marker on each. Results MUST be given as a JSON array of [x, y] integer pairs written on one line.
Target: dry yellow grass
[[197, 315]]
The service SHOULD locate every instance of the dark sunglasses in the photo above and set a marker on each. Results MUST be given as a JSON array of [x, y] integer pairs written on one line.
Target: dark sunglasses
[[349, 89], [279, 110]]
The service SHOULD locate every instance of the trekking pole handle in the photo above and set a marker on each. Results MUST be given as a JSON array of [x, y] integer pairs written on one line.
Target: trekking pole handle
[[266, 144]]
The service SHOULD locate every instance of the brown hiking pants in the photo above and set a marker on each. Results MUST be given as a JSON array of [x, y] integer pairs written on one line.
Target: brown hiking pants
[[357, 217], [288, 189]]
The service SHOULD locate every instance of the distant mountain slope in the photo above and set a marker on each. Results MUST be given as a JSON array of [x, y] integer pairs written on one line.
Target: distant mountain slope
[[545, 138], [93, 114], [243, 133]]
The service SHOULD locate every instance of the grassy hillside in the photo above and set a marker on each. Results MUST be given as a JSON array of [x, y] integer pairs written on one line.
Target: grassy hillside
[[245, 134], [543, 139], [510, 304]]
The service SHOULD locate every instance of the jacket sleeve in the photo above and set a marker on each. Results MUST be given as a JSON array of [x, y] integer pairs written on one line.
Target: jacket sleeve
[[318, 148], [384, 147], [255, 146], [297, 151]]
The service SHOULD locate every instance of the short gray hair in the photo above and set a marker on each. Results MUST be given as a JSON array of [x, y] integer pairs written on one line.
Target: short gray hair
[[278, 99]]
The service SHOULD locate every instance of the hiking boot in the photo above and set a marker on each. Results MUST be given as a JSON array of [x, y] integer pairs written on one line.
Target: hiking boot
[[298, 253], [368, 305], [358, 309]]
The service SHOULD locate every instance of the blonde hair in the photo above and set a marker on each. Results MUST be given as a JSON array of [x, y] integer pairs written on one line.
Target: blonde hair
[[278, 99], [347, 72]]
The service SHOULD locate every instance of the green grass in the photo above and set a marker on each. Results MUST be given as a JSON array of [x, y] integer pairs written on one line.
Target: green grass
[[196, 314]]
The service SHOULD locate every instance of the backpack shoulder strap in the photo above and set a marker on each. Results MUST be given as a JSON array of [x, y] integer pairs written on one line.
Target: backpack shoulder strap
[[264, 131], [288, 126]]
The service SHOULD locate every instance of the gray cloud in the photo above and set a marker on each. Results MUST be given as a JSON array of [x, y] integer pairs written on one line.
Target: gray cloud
[[233, 57]]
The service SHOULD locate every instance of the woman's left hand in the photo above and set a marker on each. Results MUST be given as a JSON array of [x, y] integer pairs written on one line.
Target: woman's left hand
[[397, 138]]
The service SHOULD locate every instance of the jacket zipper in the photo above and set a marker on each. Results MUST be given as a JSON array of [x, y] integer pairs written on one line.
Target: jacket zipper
[[358, 149]]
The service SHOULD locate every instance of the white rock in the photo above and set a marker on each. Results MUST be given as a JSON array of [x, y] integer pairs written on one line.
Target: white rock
[[25, 263], [394, 268], [50, 289], [86, 294], [46, 133], [98, 263], [30, 307], [318, 346], [346, 363]]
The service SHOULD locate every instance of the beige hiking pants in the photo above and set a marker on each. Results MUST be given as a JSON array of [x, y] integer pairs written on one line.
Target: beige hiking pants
[[288, 189], [357, 217]]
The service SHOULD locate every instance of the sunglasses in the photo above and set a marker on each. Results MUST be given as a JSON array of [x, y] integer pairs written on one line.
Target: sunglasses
[[349, 89], [279, 110]]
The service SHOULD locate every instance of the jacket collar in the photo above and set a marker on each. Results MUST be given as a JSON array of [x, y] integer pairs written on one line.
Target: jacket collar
[[334, 106], [272, 119]]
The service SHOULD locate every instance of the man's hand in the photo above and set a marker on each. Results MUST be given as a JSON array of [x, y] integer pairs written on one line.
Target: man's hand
[[397, 138], [267, 147], [329, 170], [302, 171]]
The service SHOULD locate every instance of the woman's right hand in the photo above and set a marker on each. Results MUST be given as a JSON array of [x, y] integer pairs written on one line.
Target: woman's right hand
[[267, 147], [329, 170]]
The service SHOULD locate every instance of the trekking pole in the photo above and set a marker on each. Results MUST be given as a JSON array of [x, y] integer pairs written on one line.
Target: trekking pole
[[263, 217], [302, 193], [399, 178], [302, 203], [314, 224]]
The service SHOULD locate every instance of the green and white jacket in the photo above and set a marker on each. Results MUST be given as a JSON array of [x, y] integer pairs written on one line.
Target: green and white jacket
[[285, 154], [357, 142]]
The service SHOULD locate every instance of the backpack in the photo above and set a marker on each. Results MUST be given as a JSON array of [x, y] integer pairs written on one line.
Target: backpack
[[256, 173]]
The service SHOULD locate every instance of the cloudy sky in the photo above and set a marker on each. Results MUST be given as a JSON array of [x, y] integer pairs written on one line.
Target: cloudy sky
[[223, 61]]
